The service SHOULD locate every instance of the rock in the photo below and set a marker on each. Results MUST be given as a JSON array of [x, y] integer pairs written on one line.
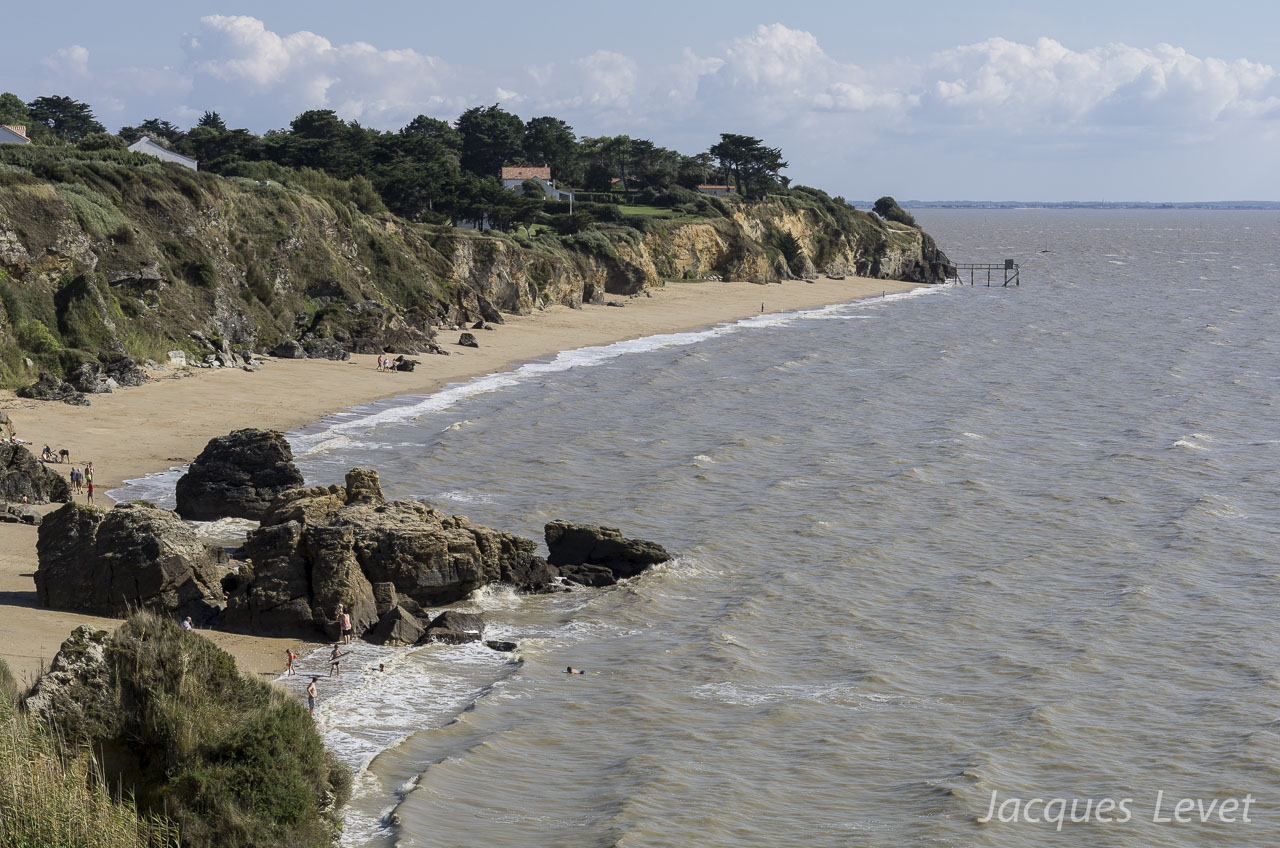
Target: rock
[[488, 311], [499, 645], [583, 544], [178, 358], [363, 486], [403, 364], [455, 628], [325, 348], [397, 627], [24, 476], [588, 575], [384, 597], [49, 387], [408, 555], [136, 555], [79, 668], [237, 475], [479, 325], [124, 371], [802, 266], [289, 350], [468, 340], [23, 514], [615, 303]]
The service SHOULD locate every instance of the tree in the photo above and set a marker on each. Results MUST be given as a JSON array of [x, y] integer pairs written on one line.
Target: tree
[[69, 120], [157, 129], [491, 137], [754, 166], [436, 129], [888, 208], [212, 120], [13, 110], [550, 141]]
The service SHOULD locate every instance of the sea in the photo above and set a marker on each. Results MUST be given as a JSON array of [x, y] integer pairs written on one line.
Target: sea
[[969, 566]]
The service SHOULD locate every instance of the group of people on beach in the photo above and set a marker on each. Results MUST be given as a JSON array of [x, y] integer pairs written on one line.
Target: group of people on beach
[[386, 363], [80, 480]]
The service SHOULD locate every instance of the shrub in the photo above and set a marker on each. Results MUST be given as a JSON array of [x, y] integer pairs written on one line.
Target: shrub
[[97, 215], [35, 337], [888, 208]]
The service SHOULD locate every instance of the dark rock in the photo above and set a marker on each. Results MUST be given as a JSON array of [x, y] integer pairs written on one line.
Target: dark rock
[[24, 476], [237, 475], [587, 575], [468, 340], [49, 387], [479, 325], [583, 544], [397, 627], [289, 350], [22, 514], [123, 370], [455, 628], [136, 555], [384, 597], [615, 303], [403, 364], [488, 311], [325, 348], [499, 645], [411, 556]]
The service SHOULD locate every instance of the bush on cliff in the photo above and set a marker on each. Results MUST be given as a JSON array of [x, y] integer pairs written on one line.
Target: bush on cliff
[[53, 796], [233, 761], [888, 208]]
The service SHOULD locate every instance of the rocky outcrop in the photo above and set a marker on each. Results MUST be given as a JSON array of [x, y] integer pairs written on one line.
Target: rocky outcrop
[[397, 627], [134, 556], [237, 476], [22, 476], [598, 556], [50, 387], [321, 546], [72, 693], [455, 628], [468, 340]]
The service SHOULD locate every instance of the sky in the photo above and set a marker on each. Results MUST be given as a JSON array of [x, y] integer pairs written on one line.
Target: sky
[[1138, 101]]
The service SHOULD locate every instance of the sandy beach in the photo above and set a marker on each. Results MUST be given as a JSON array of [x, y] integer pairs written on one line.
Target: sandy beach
[[133, 432]]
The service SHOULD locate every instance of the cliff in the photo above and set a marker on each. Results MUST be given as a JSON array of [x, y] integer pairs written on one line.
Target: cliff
[[104, 254]]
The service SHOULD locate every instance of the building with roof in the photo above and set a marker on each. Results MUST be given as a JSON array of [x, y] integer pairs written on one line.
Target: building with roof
[[716, 190], [151, 148], [13, 134], [513, 178]]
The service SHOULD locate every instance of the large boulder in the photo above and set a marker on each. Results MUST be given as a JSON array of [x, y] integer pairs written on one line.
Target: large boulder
[[134, 556], [49, 387], [24, 476], [455, 628], [398, 627], [237, 475], [319, 546], [574, 545]]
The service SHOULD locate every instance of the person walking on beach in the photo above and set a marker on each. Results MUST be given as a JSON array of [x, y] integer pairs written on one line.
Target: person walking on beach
[[89, 499], [289, 660], [335, 669], [379, 362], [311, 696], [344, 621]]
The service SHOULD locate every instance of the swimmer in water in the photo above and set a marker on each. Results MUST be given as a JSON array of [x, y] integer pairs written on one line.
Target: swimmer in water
[[572, 670]]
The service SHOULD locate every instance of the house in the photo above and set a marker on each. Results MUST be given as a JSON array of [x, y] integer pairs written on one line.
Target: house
[[151, 148], [513, 178], [13, 134], [716, 190]]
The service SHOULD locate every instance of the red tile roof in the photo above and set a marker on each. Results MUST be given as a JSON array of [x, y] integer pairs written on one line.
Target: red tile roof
[[522, 173], [20, 129]]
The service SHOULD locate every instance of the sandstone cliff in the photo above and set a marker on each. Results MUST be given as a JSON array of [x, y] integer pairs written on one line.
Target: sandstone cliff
[[103, 256]]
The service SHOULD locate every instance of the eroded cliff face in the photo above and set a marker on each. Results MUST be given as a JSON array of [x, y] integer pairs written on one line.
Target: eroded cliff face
[[142, 260]]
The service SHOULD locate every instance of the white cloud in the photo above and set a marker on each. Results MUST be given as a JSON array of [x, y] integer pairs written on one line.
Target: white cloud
[[237, 56], [1111, 85], [70, 61]]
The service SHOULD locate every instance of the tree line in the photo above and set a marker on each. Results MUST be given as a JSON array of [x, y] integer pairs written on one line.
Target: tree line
[[430, 169]]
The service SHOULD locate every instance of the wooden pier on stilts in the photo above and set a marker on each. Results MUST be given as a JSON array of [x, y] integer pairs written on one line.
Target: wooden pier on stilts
[[1010, 270]]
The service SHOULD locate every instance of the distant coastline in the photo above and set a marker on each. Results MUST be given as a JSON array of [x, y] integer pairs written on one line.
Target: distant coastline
[[1075, 204]]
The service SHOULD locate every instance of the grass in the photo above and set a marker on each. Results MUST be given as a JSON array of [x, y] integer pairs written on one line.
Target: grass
[[647, 211], [54, 796]]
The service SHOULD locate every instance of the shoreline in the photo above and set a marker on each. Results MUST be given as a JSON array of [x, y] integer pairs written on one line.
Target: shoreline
[[138, 431]]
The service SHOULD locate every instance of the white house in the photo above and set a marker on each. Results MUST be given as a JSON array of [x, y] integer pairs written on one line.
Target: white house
[[13, 134], [149, 147], [513, 178]]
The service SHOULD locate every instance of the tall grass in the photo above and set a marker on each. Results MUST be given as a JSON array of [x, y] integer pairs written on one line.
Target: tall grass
[[54, 797]]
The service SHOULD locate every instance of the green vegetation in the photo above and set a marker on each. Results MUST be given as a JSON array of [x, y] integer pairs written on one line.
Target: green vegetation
[[54, 795], [888, 208], [230, 760]]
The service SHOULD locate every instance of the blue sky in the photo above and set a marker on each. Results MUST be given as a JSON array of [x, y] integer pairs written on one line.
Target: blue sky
[[926, 100]]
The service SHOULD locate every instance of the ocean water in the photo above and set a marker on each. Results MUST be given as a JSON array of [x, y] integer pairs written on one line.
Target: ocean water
[[974, 540]]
